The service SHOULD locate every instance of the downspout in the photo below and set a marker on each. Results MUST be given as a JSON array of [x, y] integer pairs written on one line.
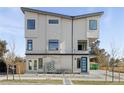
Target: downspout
[[72, 44]]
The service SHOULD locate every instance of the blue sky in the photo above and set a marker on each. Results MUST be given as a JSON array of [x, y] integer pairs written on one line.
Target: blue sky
[[111, 25]]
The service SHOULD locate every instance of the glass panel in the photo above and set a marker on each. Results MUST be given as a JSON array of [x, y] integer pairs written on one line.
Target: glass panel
[[79, 47], [53, 21], [35, 64], [29, 45], [78, 62], [82, 45], [30, 65], [92, 24], [40, 64], [30, 24], [53, 44], [83, 64]]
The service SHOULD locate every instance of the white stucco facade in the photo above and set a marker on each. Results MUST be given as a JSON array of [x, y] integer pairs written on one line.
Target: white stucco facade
[[68, 32]]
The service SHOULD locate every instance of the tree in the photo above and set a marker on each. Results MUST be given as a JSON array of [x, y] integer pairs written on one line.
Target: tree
[[7, 58], [3, 51], [10, 58], [101, 54], [3, 48], [102, 57], [113, 61]]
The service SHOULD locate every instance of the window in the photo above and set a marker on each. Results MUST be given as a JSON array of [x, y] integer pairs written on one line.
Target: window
[[35, 64], [78, 62], [40, 64], [79, 47], [29, 45], [30, 65], [31, 24], [53, 21], [82, 45], [53, 44], [92, 24]]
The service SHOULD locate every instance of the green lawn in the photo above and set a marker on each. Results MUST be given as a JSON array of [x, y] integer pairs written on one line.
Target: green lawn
[[31, 82], [81, 82]]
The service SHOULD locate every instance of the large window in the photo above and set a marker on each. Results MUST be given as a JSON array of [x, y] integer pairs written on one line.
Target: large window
[[29, 45], [78, 62], [40, 64], [30, 24], [82, 45], [29, 64], [53, 44], [93, 24], [53, 21], [35, 64]]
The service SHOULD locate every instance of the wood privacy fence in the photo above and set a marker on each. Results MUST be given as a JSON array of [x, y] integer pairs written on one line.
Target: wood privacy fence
[[116, 69]]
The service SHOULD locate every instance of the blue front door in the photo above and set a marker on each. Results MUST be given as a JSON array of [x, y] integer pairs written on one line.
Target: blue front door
[[83, 64]]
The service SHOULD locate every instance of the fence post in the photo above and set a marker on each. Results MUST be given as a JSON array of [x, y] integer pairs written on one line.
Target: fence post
[[119, 74]]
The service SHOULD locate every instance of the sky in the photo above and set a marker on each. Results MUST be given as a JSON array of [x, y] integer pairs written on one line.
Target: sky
[[111, 25]]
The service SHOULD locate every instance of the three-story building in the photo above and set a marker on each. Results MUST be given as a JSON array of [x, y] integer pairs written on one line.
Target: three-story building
[[58, 43]]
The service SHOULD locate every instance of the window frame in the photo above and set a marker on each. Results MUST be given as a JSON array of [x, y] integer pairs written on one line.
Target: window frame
[[49, 46], [29, 25], [29, 44], [40, 60], [78, 63], [90, 24], [52, 21], [84, 45], [81, 42], [30, 65], [35, 65]]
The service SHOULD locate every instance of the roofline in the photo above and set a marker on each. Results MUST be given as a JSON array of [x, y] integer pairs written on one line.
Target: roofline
[[89, 15], [61, 15], [55, 54], [44, 12]]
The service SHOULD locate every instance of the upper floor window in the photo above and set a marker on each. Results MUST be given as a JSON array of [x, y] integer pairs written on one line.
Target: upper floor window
[[82, 45], [53, 45], [53, 21], [92, 24], [29, 45], [30, 24]]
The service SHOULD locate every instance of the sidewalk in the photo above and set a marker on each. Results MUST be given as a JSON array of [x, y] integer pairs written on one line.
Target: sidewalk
[[93, 75]]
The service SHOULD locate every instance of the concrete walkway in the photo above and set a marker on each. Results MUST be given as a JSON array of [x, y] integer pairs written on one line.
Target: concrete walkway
[[66, 81]]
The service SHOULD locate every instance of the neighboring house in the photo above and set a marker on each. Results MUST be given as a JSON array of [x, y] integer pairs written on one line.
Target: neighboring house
[[58, 43]]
